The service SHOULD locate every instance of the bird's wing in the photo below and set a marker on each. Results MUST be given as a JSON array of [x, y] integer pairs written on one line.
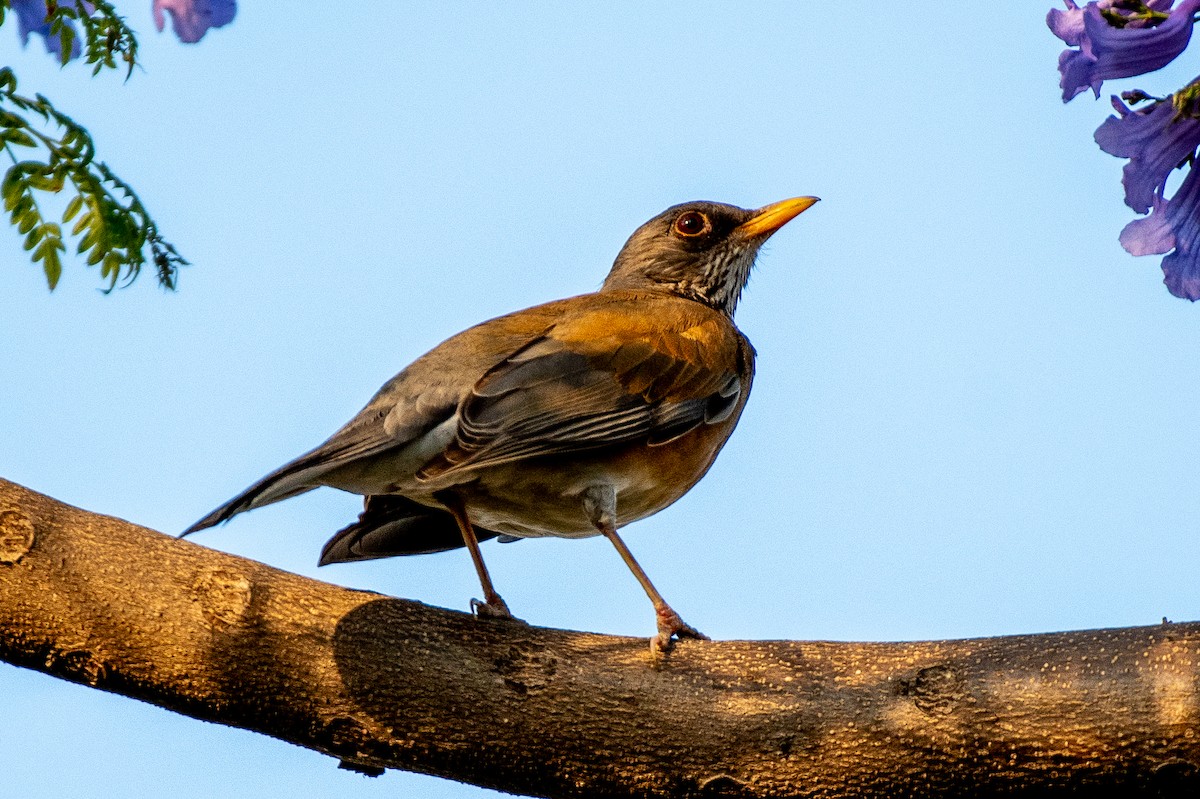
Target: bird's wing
[[402, 413], [600, 380], [379, 428]]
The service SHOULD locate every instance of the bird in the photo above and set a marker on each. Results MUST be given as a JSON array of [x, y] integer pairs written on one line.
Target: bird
[[570, 419]]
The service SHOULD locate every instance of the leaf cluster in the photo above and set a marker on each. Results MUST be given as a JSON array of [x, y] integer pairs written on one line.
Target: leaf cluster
[[112, 227], [106, 37]]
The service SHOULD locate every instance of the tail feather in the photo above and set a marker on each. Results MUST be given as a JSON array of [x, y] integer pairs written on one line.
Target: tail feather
[[249, 499], [392, 525], [287, 481]]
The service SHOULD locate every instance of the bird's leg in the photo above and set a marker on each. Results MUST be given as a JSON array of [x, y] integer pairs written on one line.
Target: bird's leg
[[492, 606], [601, 505], [670, 624]]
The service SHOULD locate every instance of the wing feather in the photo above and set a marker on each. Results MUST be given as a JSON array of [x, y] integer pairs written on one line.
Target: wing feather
[[561, 394]]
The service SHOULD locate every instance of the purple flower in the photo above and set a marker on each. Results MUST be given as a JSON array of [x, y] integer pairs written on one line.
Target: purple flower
[[1174, 223], [31, 18], [1150, 235], [1146, 40], [1067, 25], [1156, 140], [191, 19], [1181, 269]]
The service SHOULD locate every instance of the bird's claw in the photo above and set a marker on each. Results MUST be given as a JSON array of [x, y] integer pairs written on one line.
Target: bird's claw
[[670, 627], [494, 608]]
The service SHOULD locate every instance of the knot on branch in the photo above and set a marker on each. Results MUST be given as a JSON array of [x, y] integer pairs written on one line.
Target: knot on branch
[[224, 596], [1175, 777], [348, 735], [722, 785], [936, 690], [16, 535], [82, 665], [366, 769], [524, 668]]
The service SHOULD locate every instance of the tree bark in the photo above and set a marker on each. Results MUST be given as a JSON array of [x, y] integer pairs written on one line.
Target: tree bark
[[388, 683]]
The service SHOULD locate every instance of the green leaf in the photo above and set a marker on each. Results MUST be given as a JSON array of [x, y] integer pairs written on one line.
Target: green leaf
[[16, 136], [52, 266], [25, 205], [68, 40], [88, 240], [111, 266], [72, 208], [84, 221], [45, 180], [27, 223], [12, 188]]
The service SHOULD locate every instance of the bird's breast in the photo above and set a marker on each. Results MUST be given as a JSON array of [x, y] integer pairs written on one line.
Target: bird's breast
[[544, 496]]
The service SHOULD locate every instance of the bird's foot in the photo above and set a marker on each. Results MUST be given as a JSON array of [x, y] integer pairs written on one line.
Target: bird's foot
[[670, 627], [493, 608]]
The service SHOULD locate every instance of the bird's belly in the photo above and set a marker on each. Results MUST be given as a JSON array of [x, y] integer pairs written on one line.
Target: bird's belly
[[544, 497]]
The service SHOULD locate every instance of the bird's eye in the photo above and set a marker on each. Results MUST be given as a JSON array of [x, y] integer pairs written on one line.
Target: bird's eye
[[692, 223]]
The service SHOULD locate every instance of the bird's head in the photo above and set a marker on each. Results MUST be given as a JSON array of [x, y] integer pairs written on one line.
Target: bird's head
[[700, 250]]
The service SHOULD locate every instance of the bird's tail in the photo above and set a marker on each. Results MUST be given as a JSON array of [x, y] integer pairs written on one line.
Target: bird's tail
[[297, 477], [394, 525]]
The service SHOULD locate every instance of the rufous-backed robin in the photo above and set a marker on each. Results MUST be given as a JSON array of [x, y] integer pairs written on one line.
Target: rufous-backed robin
[[567, 419]]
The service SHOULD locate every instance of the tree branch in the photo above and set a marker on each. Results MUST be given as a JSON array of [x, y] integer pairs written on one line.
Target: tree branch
[[388, 683]]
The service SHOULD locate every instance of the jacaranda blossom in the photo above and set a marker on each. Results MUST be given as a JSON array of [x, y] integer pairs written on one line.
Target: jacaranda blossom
[[31, 18], [1173, 225], [1150, 235], [1157, 140], [1143, 40], [1068, 25], [191, 19]]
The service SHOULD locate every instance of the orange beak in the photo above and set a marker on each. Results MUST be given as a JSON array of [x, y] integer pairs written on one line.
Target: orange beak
[[771, 217]]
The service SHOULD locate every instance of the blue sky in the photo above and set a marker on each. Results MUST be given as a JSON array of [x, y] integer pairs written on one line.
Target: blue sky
[[973, 411]]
